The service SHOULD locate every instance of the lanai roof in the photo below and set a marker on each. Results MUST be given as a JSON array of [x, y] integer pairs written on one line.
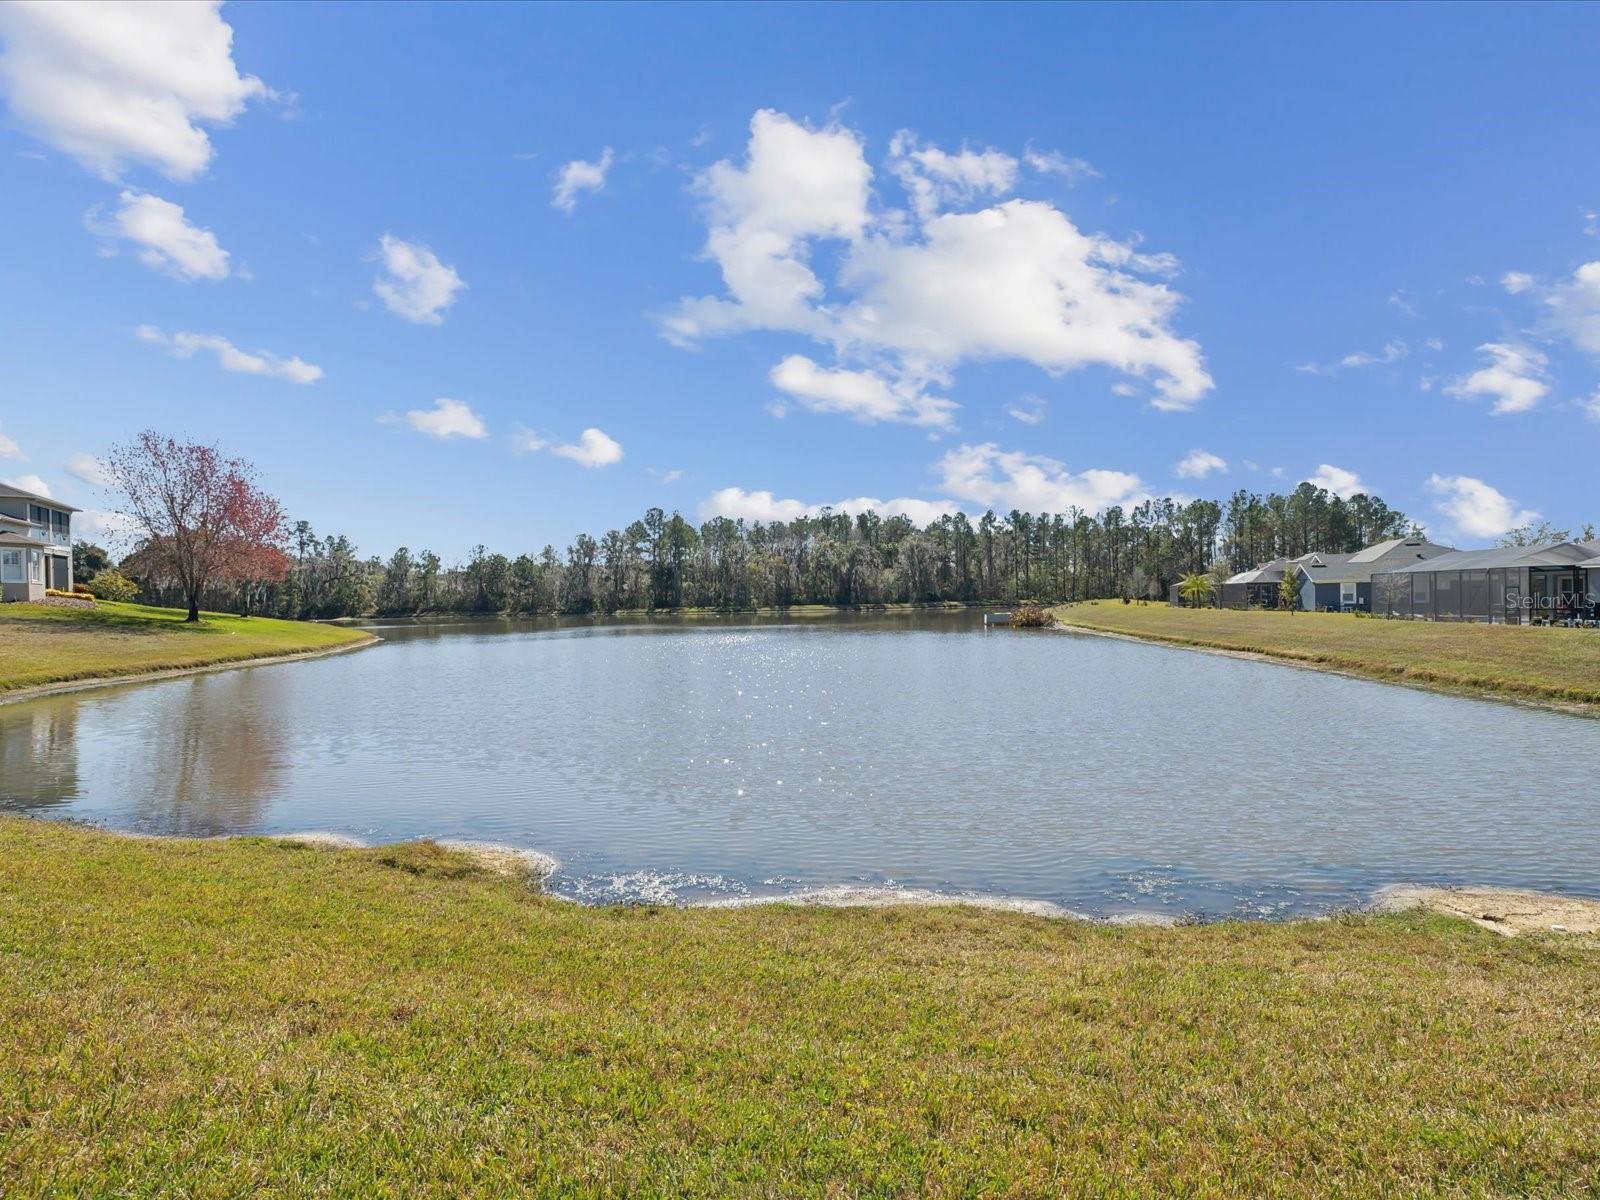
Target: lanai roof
[[1550, 554]]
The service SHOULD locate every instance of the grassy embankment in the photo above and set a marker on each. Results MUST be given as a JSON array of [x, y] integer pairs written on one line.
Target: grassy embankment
[[209, 1018], [41, 644], [1551, 665]]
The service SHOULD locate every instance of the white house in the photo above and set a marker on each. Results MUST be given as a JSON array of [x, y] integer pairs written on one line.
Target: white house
[[35, 544]]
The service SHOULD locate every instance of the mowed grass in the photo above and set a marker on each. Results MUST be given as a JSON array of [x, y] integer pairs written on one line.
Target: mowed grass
[[1509, 661], [41, 644], [237, 1018]]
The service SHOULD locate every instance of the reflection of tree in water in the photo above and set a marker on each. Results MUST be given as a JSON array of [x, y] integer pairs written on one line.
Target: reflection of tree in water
[[38, 754], [215, 757]]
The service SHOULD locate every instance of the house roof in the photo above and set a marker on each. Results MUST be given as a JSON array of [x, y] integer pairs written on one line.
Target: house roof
[[1344, 568], [1550, 554], [9, 489], [1323, 566], [1405, 547], [1271, 572], [1376, 559], [16, 539]]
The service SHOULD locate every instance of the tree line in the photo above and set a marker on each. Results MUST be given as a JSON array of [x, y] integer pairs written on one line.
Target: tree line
[[663, 561]]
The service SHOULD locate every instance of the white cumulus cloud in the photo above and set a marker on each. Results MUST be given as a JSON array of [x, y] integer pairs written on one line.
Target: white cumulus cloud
[[579, 176], [1515, 376], [88, 469], [229, 357], [1338, 480], [593, 448], [913, 297], [447, 419], [118, 83], [1517, 282], [864, 395], [1475, 508], [103, 527], [1010, 479], [1573, 308], [738, 504], [935, 179], [29, 483], [9, 447], [1197, 464], [414, 283], [165, 239]]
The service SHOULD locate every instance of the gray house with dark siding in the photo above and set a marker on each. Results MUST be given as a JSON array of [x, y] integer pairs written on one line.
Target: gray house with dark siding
[[1516, 585], [1343, 582]]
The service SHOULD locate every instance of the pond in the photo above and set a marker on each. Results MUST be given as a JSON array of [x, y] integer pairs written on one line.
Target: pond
[[687, 761]]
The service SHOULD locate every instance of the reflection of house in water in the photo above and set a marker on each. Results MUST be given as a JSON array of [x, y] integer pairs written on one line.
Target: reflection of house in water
[[214, 755], [38, 754]]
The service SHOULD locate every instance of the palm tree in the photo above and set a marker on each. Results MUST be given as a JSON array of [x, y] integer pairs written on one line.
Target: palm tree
[[1196, 589]]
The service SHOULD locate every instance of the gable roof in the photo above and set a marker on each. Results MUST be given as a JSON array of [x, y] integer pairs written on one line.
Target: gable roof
[[1268, 572], [9, 489]]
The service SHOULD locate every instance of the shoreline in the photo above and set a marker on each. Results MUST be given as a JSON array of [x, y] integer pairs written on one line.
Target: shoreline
[[1504, 910], [66, 686], [1571, 708]]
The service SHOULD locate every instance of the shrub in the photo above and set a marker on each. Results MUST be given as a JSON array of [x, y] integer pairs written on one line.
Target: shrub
[[113, 585], [1031, 616]]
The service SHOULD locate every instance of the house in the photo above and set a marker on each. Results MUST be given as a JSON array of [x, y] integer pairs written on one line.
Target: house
[[1343, 582], [35, 544], [1515, 585], [1591, 580], [1257, 588]]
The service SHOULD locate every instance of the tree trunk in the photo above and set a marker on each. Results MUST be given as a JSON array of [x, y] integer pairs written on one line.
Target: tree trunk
[[194, 611]]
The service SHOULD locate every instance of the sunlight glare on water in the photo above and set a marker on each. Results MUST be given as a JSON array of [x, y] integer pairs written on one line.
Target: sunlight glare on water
[[671, 762]]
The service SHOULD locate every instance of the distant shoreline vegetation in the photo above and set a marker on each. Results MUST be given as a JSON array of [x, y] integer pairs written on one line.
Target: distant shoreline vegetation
[[664, 563]]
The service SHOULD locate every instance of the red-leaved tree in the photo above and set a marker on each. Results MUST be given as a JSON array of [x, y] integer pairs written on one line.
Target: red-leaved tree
[[202, 518]]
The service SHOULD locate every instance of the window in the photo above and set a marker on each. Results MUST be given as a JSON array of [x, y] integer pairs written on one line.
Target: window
[[11, 566], [35, 566]]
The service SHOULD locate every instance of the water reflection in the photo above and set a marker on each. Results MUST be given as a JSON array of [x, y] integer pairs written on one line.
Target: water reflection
[[38, 755], [674, 760], [214, 753]]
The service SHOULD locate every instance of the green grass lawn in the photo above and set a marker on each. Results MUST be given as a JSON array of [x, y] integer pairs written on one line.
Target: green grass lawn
[[1516, 662], [204, 1018], [41, 644]]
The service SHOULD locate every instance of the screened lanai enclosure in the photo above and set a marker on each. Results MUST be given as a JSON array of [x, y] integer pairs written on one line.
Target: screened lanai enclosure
[[1513, 585]]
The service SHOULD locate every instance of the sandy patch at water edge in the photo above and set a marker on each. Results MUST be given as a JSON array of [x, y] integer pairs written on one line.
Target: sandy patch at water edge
[[1503, 910], [504, 860], [848, 896]]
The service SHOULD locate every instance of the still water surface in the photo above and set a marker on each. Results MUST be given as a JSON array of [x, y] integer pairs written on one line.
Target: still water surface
[[689, 761]]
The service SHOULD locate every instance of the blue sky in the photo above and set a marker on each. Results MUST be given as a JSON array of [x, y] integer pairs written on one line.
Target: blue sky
[[943, 257]]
